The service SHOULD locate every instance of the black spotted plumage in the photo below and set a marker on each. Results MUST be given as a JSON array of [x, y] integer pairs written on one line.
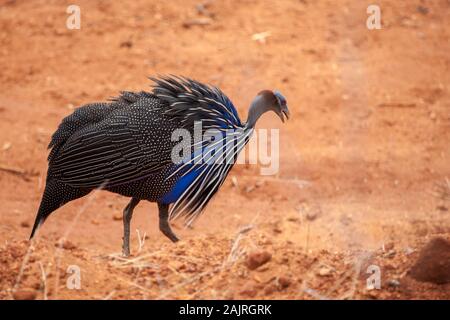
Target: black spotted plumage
[[125, 146]]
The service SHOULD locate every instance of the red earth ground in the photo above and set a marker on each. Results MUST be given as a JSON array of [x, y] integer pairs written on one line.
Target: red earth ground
[[364, 159]]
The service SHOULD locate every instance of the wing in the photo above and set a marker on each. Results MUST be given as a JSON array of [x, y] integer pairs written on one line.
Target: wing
[[90, 114], [109, 153]]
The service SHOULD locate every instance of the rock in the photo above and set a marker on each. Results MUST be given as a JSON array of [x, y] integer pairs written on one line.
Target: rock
[[25, 224], [234, 182], [372, 294], [249, 291], [66, 244], [423, 10], [270, 288], [249, 189], [390, 254], [432, 115], [197, 22], [389, 246], [324, 271], [126, 44], [257, 259], [117, 217], [25, 294], [393, 283], [277, 229], [283, 282], [36, 285], [433, 263], [311, 215], [17, 252]]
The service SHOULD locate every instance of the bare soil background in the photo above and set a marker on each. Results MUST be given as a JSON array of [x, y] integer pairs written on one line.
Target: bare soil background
[[361, 162]]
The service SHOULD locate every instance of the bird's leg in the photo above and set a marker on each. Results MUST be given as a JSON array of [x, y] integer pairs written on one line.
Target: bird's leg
[[164, 222], [127, 215]]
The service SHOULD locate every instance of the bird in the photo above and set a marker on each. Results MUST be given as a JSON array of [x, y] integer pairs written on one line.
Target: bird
[[126, 146]]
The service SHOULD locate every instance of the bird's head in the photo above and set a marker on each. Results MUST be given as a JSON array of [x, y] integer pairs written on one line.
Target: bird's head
[[281, 108], [267, 100]]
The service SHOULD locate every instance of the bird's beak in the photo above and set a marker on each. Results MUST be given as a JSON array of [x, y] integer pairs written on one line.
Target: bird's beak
[[283, 113]]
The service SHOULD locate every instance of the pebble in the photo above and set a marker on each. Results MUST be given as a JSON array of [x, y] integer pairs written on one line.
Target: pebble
[[433, 263], [249, 292], [394, 283], [388, 246], [284, 282], [270, 288], [432, 116], [24, 294], [390, 254], [324, 271], [66, 244], [257, 259], [311, 215], [25, 224]]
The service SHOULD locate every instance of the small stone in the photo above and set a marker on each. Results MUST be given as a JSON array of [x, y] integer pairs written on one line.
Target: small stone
[[36, 285], [25, 224], [373, 294], [249, 292], [6, 146], [393, 283], [229, 296], [126, 44], [197, 22], [234, 181], [433, 263], [390, 254], [277, 229], [432, 115], [249, 189], [259, 183], [388, 246], [270, 288], [311, 215], [24, 294], [423, 10], [408, 250], [66, 244], [283, 282], [117, 217], [324, 271], [257, 259]]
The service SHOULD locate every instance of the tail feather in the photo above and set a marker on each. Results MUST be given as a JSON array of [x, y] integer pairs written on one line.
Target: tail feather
[[37, 223]]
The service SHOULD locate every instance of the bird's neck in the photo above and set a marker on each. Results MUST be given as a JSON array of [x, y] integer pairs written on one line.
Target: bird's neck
[[257, 108]]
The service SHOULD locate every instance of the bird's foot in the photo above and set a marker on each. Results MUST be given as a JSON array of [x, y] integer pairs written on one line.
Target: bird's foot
[[125, 250], [167, 231]]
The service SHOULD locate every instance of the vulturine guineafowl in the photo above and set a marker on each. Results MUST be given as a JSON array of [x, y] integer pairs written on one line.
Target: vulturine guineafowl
[[126, 147]]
